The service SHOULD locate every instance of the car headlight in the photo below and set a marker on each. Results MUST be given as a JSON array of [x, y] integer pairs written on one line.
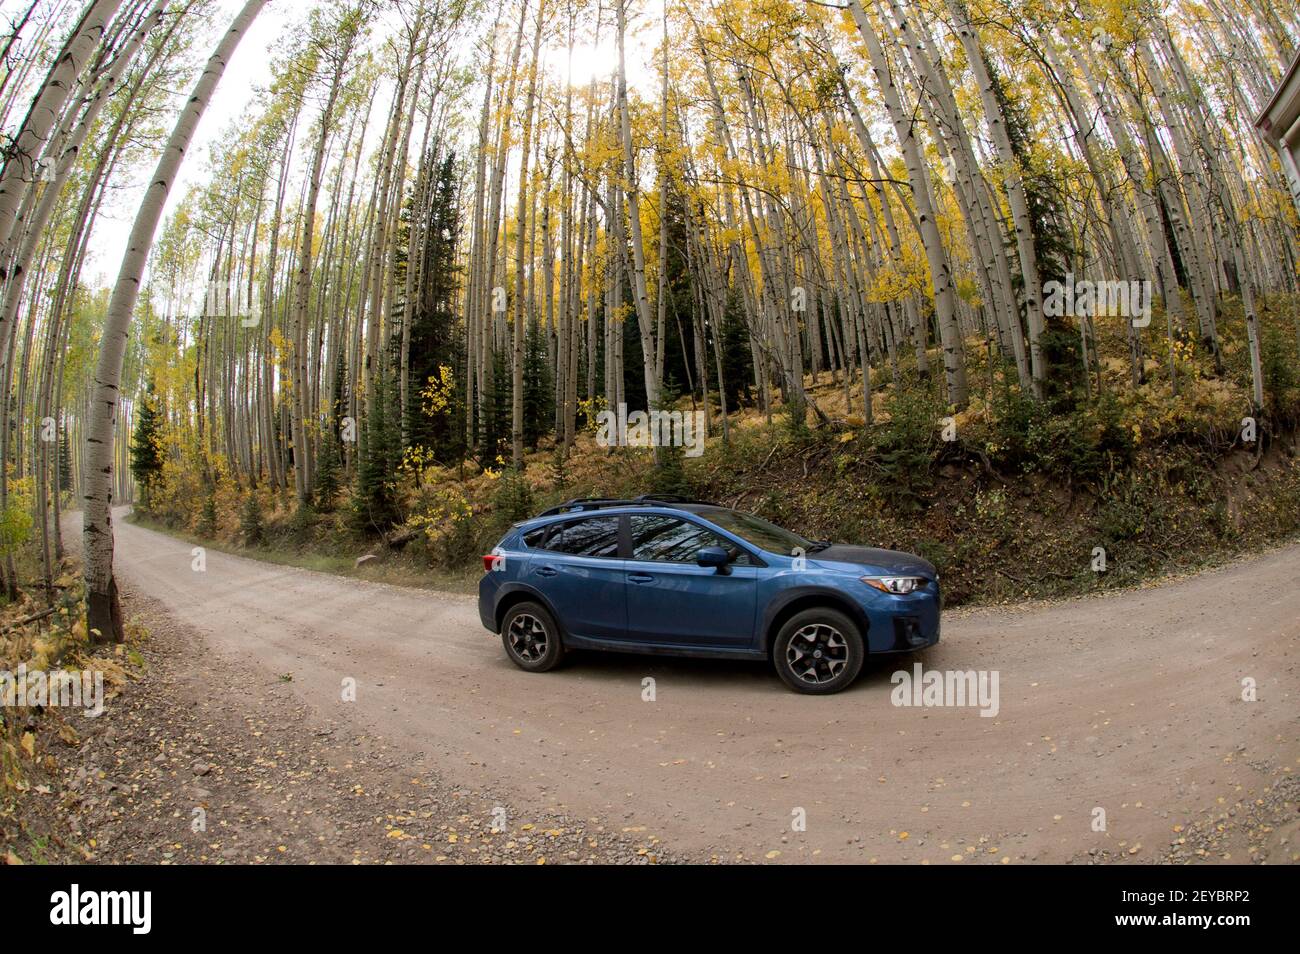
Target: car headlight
[[898, 585]]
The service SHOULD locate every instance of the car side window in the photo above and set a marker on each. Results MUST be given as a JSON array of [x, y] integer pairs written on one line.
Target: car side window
[[534, 538], [665, 539], [590, 537]]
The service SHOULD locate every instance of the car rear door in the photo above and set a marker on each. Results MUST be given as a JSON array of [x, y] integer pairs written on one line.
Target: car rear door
[[579, 571], [672, 600]]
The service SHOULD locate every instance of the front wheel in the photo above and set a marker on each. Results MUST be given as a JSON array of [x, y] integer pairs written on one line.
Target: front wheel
[[531, 638], [818, 652]]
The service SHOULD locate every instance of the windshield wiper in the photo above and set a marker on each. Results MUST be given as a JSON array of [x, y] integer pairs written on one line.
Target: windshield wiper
[[818, 545]]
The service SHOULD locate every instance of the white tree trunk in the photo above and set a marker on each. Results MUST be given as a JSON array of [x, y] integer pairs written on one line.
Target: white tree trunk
[[69, 151], [954, 358], [104, 613], [639, 293], [1016, 198]]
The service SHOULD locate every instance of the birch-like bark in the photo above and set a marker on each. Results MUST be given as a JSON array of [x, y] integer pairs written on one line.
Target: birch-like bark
[[954, 358], [302, 406], [104, 615], [640, 297], [1031, 284], [19, 172], [521, 219]]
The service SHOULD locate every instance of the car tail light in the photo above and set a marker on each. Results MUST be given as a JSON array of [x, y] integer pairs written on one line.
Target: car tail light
[[490, 561]]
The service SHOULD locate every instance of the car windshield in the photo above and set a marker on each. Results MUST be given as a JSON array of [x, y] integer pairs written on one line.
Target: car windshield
[[754, 530]]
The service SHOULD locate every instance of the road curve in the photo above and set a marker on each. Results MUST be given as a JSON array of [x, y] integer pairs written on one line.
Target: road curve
[[1130, 702]]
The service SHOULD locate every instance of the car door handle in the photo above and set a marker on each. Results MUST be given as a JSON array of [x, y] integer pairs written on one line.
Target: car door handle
[[546, 571], [641, 578]]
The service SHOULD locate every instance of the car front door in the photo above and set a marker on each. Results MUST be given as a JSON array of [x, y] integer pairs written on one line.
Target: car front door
[[579, 570], [673, 600]]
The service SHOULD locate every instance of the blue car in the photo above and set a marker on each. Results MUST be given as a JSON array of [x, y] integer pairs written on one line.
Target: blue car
[[671, 576]]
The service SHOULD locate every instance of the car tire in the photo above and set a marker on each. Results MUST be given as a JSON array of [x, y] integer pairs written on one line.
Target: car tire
[[531, 637], [818, 651]]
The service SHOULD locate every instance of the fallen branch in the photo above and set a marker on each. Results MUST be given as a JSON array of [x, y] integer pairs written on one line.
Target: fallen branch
[[30, 619]]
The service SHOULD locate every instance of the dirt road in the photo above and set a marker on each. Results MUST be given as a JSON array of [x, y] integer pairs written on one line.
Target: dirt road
[[1130, 703]]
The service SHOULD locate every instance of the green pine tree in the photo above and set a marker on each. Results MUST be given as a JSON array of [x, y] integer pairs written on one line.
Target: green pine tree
[[251, 529], [65, 459], [1053, 243], [329, 471], [737, 360], [330, 463], [539, 395], [494, 425], [146, 447], [208, 522], [435, 351], [668, 476], [374, 499]]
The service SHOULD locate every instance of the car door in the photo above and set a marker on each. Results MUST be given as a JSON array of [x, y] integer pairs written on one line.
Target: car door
[[672, 600], [579, 570]]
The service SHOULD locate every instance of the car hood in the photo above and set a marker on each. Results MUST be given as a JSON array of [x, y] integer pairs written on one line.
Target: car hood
[[875, 560]]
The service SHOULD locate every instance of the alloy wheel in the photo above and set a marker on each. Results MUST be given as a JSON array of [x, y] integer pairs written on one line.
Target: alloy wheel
[[817, 653], [528, 637]]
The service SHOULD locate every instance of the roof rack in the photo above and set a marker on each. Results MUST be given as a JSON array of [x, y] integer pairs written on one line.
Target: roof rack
[[586, 503], [597, 503], [671, 499]]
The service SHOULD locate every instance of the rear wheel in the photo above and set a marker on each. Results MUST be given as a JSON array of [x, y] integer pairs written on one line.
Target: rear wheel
[[531, 638], [818, 651]]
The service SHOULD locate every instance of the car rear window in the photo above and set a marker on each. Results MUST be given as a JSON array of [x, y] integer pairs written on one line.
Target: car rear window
[[590, 537]]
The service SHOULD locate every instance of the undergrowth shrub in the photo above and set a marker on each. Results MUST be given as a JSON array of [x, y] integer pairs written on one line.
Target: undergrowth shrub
[[512, 499]]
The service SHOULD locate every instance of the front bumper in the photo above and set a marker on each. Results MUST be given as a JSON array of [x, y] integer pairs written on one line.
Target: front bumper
[[904, 624], [910, 634]]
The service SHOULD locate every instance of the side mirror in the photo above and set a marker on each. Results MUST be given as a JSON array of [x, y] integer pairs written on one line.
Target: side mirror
[[714, 557]]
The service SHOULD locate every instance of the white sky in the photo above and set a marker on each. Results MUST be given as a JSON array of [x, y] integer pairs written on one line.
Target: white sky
[[248, 69]]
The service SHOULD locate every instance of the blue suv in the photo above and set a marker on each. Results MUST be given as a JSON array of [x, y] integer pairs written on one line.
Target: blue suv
[[667, 575]]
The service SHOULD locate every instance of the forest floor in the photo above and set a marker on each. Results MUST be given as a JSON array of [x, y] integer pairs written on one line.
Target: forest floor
[[1129, 702], [206, 758]]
